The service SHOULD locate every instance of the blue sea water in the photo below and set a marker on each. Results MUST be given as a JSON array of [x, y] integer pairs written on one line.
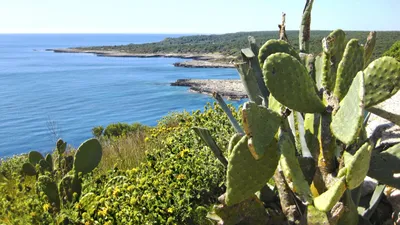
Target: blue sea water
[[45, 95]]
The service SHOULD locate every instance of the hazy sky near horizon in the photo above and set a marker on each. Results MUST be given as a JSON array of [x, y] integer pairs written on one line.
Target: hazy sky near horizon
[[190, 16]]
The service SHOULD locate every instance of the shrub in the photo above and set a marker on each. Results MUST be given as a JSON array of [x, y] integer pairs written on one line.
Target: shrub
[[97, 131], [121, 129], [394, 51]]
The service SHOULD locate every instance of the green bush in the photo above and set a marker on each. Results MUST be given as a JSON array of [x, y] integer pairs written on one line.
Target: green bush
[[394, 51], [120, 129], [97, 131]]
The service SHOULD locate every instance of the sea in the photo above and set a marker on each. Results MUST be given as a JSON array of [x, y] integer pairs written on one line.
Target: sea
[[46, 95]]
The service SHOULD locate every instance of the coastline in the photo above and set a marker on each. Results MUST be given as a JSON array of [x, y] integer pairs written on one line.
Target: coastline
[[196, 60], [230, 89]]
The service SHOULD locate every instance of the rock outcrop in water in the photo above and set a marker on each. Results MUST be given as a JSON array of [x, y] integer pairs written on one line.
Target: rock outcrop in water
[[230, 89]]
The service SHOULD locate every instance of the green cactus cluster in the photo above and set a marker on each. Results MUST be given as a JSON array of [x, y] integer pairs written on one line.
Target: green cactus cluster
[[303, 136], [59, 179]]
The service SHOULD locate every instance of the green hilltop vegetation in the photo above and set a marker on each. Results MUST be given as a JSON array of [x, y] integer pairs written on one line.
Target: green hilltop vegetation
[[230, 44], [394, 51]]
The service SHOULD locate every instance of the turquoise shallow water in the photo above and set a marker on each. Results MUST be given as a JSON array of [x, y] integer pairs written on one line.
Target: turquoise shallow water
[[42, 92]]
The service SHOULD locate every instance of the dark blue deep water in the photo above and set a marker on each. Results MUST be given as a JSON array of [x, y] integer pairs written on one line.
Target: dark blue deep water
[[44, 93]]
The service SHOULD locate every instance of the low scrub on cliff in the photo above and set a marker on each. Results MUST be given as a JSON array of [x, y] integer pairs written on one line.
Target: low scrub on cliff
[[163, 175]]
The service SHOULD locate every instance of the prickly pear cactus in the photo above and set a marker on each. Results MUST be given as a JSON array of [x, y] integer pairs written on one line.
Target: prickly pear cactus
[[233, 141], [246, 175], [328, 199], [291, 168], [369, 47], [346, 123], [49, 160], [44, 166], [351, 63], [69, 186], [309, 115], [46, 185], [34, 157], [382, 80], [88, 156], [289, 82], [273, 46], [358, 168], [29, 169], [385, 165], [61, 146], [260, 125]]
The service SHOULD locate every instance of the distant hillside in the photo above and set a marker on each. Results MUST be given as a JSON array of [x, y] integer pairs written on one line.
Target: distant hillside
[[230, 44]]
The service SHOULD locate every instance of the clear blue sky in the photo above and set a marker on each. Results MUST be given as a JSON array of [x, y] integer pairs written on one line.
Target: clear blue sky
[[191, 16]]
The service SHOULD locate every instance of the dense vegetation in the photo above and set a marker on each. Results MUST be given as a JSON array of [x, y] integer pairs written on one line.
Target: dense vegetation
[[158, 175], [394, 51], [230, 44]]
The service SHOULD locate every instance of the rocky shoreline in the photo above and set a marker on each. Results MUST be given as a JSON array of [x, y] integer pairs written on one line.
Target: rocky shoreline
[[197, 60], [230, 89]]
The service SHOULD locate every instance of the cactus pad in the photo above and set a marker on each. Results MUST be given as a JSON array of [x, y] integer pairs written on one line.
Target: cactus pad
[[44, 165], [329, 198], [245, 175], [260, 125], [273, 46], [274, 105], [316, 217], [250, 211], [327, 76], [233, 141], [382, 80], [318, 64], [291, 168], [88, 156], [385, 165], [288, 81], [49, 188], [358, 168], [68, 186], [34, 157], [346, 123], [369, 47], [311, 127], [61, 146], [49, 160], [351, 63], [308, 60], [334, 44], [350, 216], [29, 169]]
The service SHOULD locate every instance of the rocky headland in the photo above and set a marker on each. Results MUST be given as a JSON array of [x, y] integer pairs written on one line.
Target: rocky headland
[[196, 60]]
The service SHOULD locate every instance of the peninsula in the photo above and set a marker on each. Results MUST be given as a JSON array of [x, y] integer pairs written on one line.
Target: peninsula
[[220, 51]]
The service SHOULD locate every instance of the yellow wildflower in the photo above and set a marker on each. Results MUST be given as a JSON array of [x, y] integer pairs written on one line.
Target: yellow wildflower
[[170, 210], [102, 212], [116, 191], [181, 177], [46, 207]]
